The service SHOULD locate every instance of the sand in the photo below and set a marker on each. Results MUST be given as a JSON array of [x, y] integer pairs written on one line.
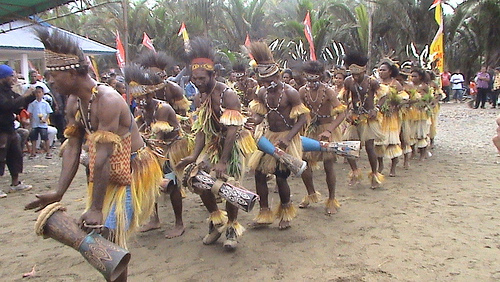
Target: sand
[[439, 220]]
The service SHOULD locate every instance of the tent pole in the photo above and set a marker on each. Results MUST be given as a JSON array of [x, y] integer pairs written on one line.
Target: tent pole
[[24, 66]]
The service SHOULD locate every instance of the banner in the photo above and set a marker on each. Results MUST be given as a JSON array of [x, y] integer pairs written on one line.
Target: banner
[[185, 36], [247, 44], [120, 52], [437, 45], [146, 41], [309, 35], [93, 66]]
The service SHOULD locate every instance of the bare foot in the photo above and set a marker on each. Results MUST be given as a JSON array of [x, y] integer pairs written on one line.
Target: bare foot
[[406, 165], [375, 184], [152, 225], [284, 225], [177, 231], [304, 204], [331, 210]]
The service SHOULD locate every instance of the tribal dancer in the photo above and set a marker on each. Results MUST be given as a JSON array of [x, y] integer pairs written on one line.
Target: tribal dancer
[[124, 173], [420, 84], [286, 115], [326, 114], [391, 120], [159, 125], [438, 94], [220, 143], [362, 114], [408, 115], [172, 93], [244, 85]]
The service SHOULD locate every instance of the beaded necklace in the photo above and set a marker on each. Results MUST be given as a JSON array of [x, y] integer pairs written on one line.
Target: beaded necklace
[[310, 106], [275, 109], [361, 106], [86, 121]]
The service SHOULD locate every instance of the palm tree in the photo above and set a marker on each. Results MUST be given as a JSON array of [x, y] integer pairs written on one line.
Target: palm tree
[[472, 36]]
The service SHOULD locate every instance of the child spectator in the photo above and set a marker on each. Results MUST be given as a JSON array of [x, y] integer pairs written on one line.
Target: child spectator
[[39, 113]]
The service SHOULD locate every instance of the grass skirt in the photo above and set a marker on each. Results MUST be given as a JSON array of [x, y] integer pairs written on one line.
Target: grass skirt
[[146, 178], [267, 164], [313, 131], [364, 130]]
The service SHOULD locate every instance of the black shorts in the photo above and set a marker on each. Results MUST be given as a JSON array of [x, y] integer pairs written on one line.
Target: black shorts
[[43, 132], [10, 153]]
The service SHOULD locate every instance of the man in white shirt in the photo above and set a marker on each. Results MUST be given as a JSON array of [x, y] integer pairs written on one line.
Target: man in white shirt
[[33, 81], [457, 88]]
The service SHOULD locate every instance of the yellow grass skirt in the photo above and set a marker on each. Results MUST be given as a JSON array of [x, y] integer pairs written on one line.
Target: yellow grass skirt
[[364, 130], [313, 132], [146, 178], [267, 164]]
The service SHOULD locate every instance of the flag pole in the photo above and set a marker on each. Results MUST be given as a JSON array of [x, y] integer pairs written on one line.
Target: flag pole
[[125, 39]]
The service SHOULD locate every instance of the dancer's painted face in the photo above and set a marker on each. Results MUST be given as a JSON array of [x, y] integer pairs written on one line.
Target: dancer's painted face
[[202, 79]]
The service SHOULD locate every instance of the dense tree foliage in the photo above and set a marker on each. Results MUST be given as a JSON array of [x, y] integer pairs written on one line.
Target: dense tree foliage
[[377, 27]]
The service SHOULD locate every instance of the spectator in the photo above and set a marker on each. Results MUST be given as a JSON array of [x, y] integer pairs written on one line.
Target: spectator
[[219, 70], [445, 80], [18, 86], [472, 89], [24, 127], [482, 82], [457, 80], [232, 79], [57, 118], [39, 113], [176, 70], [191, 93], [11, 154], [34, 82], [112, 82], [287, 76]]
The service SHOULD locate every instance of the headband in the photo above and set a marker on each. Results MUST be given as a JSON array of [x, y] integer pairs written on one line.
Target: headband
[[267, 70], [341, 71], [311, 76], [59, 62], [356, 69], [204, 63], [239, 74], [137, 90]]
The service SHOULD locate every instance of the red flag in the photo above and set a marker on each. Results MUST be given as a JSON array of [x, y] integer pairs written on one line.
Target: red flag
[[436, 2], [247, 41], [247, 44], [309, 35], [120, 52], [146, 41], [185, 36]]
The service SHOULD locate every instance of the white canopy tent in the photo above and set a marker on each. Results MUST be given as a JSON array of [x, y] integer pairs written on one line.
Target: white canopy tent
[[20, 43]]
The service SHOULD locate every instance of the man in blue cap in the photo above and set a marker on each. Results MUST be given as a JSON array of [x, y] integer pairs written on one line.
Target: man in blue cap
[[11, 104]]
